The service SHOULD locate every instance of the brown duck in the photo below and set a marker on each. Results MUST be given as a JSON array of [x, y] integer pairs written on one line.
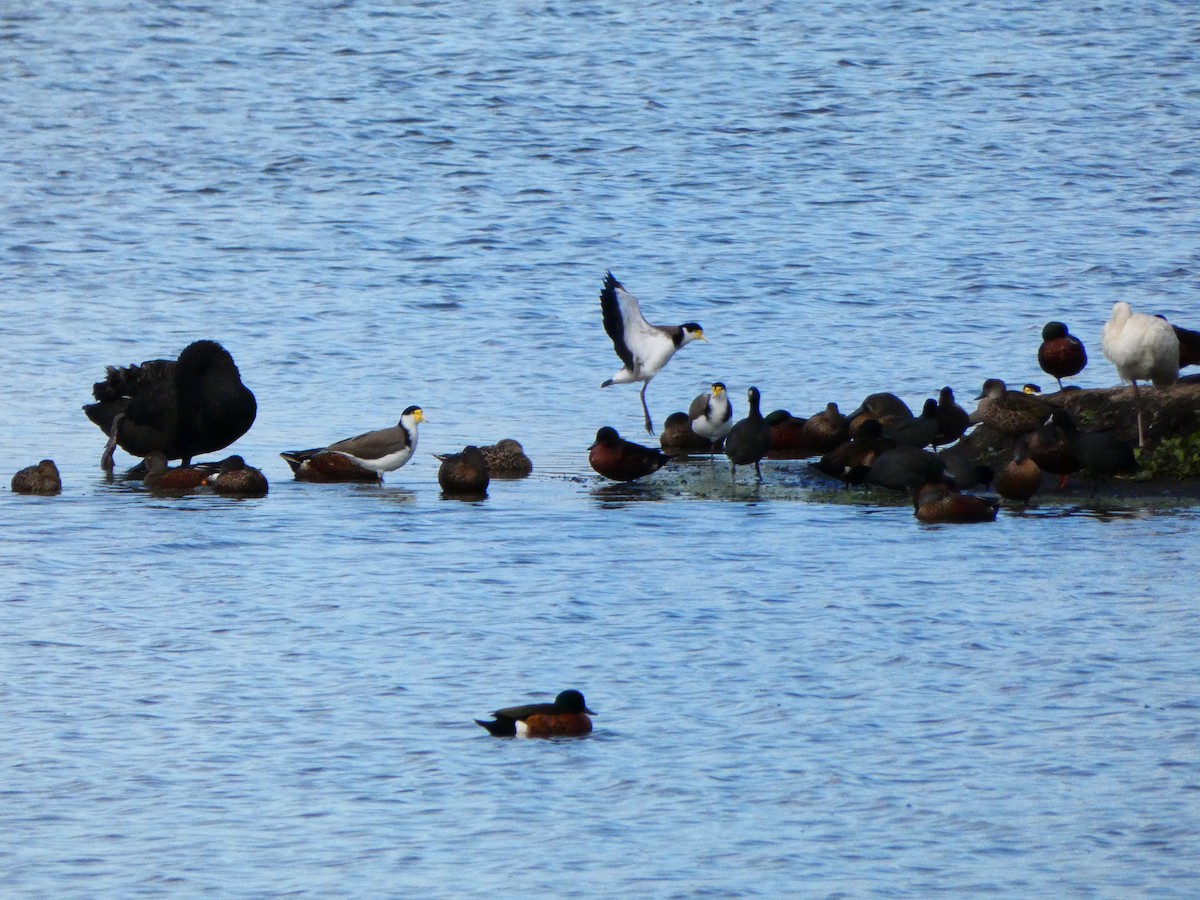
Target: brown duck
[[1020, 478], [40, 479], [826, 430], [884, 407], [622, 460], [464, 473], [161, 477], [679, 439], [938, 503], [1012, 413], [236, 479], [789, 440], [1061, 354], [507, 459]]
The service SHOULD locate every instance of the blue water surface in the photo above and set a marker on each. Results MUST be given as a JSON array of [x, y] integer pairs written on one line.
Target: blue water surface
[[376, 205]]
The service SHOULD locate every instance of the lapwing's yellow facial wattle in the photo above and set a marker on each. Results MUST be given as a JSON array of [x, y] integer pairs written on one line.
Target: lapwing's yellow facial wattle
[[419, 416], [717, 390], [698, 334]]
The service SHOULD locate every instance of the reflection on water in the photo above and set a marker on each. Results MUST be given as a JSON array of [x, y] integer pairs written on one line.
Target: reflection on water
[[1101, 511], [616, 496]]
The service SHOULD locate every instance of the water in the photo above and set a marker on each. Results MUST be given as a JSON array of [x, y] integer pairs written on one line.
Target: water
[[374, 206]]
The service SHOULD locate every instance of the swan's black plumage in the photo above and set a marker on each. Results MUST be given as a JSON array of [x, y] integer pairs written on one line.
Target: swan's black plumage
[[180, 407]]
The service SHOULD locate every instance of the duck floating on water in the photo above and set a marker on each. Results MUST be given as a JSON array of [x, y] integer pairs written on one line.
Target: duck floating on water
[[464, 473], [234, 478], [160, 477], [936, 503], [507, 459], [42, 479], [567, 716]]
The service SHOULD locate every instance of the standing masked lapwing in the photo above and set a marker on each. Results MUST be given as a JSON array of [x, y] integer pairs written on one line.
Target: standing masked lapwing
[[643, 348], [711, 415]]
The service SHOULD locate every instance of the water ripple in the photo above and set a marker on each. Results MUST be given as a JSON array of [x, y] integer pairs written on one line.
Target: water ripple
[[374, 207]]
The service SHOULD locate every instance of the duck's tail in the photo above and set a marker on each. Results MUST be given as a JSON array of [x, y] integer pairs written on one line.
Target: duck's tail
[[296, 458], [499, 727]]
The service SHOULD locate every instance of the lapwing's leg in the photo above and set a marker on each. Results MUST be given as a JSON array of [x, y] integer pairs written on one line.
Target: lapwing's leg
[[646, 409]]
